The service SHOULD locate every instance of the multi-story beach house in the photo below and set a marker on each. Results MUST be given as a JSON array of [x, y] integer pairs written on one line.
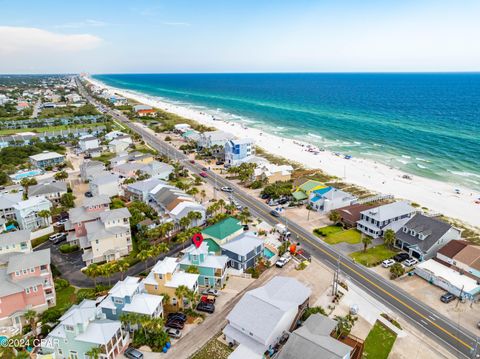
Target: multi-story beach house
[[373, 222], [164, 279], [106, 184], [221, 232], [271, 173], [88, 142], [211, 267], [79, 216], [108, 237], [243, 251], [91, 169], [263, 315], [423, 236], [138, 191], [7, 203], [46, 159], [127, 296], [27, 213], [214, 138], [82, 328], [53, 191], [327, 199], [26, 282], [17, 241], [238, 151]]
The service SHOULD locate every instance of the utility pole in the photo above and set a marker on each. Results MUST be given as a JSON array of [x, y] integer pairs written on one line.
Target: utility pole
[[214, 185]]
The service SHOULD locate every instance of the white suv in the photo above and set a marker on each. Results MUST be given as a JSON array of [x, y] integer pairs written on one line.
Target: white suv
[[388, 263], [410, 262]]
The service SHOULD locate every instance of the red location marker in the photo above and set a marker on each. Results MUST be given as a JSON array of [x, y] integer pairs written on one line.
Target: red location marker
[[197, 239]]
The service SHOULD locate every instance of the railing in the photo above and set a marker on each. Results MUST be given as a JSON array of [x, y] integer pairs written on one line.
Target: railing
[[376, 198]]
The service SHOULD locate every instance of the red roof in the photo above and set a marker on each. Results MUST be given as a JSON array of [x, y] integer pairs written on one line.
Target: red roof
[[453, 247], [146, 111]]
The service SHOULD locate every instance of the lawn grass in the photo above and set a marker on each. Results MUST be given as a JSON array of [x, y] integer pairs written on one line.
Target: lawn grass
[[65, 298], [336, 234], [11, 131], [105, 157], [379, 342], [213, 349], [373, 256]]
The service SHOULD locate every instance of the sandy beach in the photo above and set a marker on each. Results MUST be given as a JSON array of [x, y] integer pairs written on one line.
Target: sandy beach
[[438, 196]]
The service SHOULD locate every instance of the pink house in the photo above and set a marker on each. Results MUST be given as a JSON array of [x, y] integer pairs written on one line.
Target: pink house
[[79, 216], [26, 282]]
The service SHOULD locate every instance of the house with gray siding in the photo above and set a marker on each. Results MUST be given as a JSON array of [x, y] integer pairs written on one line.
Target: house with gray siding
[[243, 251]]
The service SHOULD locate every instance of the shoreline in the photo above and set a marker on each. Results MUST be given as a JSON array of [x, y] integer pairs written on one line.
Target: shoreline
[[437, 196]]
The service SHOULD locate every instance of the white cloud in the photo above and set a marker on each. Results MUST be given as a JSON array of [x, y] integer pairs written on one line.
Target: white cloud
[[80, 24], [34, 41]]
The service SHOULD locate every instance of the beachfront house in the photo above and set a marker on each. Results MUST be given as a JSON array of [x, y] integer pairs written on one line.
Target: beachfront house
[[47, 159], [313, 340], [214, 138], [302, 188], [82, 328], [327, 199], [181, 128], [271, 173], [26, 282], [211, 267], [16, 241], [349, 215], [423, 236], [461, 256], [263, 315], [91, 169], [238, 151], [165, 277], [28, 213], [107, 184], [53, 191], [7, 203], [108, 238], [243, 251], [127, 296], [373, 222]]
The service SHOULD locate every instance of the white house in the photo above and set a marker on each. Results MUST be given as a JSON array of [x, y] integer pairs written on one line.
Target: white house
[[138, 191], [214, 138], [26, 213], [327, 199], [118, 145], [16, 241], [91, 169], [52, 191], [238, 151], [263, 315], [113, 134], [88, 143], [106, 184], [374, 221]]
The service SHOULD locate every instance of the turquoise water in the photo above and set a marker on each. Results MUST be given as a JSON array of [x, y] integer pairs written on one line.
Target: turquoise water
[[425, 124], [268, 253], [21, 175]]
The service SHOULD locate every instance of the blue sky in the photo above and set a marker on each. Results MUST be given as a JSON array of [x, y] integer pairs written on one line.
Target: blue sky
[[106, 36]]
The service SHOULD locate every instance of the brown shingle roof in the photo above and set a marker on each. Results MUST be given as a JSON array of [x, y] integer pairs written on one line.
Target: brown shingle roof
[[351, 214], [452, 248], [468, 255], [174, 204]]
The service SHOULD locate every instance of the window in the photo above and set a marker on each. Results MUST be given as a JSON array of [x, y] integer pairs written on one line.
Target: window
[[24, 271], [118, 300], [17, 273], [27, 290], [69, 328], [32, 270], [405, 229], [73, 355], [114, 311], [60, 352], [35, 289]]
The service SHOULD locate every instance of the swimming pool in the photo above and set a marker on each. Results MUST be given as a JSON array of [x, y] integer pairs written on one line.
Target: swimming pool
[[19, 175], [268, 253]]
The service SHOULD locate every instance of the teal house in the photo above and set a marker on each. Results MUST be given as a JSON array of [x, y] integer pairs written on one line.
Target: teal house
[[212, 267], [221, 233], [82, 328]]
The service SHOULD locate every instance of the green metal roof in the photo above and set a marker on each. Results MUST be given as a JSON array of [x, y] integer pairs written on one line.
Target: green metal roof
[[299, 195], [309, 185], [223, 229]]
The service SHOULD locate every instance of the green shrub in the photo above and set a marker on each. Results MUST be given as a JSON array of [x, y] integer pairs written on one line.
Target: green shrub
[[61, 283], [37, 241], [313, 310], [397, 270], [256, 184], [67, 248]]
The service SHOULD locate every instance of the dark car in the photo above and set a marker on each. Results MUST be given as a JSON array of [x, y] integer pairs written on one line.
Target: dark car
[[283, 201], [218, 163], [88, 194], [204, 169], [264, 196], [203, 174], [133, 353], [400, 257], [274, 213], [176, 324], [192, 161], [246, 227], [447, 297], [180, 316], [206, 307]]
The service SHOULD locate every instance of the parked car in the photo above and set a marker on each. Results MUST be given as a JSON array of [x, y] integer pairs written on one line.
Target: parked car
[[227, 189], [204, 169], [264, 196], [88, 194], [175, 324], [203, 174], [206, 307], [410, 262], [388, 263], [447, 297], [133, 353], [280, 263], [211, 291], [246, 227], [192, 161], [173, 333], [218, 163], [274, 213], [208, 299], [283, 201], [57, 237], [178, 316], [400, 257]]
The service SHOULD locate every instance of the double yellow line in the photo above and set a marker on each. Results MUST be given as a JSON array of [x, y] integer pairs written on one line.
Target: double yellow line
[[353, 270]]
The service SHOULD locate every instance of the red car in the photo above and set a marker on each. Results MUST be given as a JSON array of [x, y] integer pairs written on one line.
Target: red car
[[192, 161], [203, 174]]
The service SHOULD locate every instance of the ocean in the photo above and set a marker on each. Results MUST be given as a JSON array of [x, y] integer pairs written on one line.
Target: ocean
[[424, 124]]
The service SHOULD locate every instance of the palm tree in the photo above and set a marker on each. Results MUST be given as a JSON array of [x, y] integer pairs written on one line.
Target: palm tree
[[159, 249], [192, 297], [221, 204], [389, 237], [168, 228], [93, 271], [27, 182], [335, 217], [122, 266], [309, 208], [203, 194], [193, 192], [181, 292], [31, 318], [194, 216], [184, 222], [107, 270], [345, 324], [230, 208], [45, 215], [144, 256], [128, 320], [366, 240], [94, 353], [244, 215]]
